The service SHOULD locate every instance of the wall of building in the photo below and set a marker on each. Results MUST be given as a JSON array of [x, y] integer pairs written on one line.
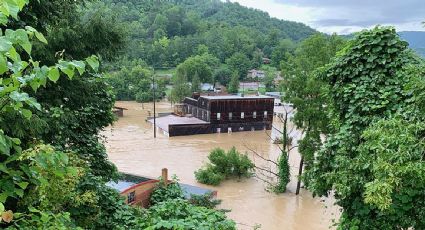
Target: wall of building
[[245, 106]]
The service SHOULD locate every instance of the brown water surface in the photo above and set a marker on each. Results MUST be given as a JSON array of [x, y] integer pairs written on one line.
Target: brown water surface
[[133, 149]]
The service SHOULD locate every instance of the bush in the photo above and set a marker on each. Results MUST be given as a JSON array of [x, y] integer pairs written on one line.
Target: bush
[[180, 214], [224, 165], [206, 200], [163, 193], [209, 176]]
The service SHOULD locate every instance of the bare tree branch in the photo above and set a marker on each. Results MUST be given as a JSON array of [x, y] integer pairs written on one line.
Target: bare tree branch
[[266, 170], [258, 155]]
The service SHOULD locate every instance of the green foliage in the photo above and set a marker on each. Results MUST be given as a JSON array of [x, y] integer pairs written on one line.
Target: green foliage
[[307, 92], [206, 200], [166, 33], [239, 63], [196, 83], [208, 175], [284, 173], [234, 83], [224, 165], [200, 65], [171, 211], [373, 159], [222, 75], [180, 214], [135, 83], [164, 192], [181, 87]]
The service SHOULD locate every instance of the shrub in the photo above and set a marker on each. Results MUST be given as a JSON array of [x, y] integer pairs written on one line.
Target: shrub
[[207, 200], [180, 214], [209, 176], [163, 193], [224, 165]]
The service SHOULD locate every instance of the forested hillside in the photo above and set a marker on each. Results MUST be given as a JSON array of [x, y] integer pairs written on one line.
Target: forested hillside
[[165, 33]]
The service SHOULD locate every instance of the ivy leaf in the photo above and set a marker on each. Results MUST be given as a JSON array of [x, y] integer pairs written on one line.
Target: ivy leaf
[[21, 3], [53, 74], [93, 62], [5, 44], [40, 37], [4, 145], [19, 192], [1, 207], [23, 184], [17, 96], [3, 64], [3, 197], [10, 8], [67, 68], [3, 19], [80, 66], [26, 113]]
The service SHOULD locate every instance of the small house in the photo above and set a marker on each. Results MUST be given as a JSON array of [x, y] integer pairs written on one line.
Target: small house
[[256, 74]]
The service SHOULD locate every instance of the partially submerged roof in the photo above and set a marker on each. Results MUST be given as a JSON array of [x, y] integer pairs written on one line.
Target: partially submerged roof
[[129, 180], [235, 97], [164, 122]]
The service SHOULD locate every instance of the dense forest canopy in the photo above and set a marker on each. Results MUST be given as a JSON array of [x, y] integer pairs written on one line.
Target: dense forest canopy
[[165, 33]]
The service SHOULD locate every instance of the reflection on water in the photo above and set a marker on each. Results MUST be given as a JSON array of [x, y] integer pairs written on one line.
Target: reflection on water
[[133, 149]]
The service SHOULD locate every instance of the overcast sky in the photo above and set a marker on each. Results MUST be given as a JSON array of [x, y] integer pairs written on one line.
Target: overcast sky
[[346, 16]]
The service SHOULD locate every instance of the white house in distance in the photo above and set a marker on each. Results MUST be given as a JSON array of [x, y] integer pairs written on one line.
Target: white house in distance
[[256, 74]]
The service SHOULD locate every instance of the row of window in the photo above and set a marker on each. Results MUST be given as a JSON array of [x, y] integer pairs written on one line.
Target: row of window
[[254, 115]]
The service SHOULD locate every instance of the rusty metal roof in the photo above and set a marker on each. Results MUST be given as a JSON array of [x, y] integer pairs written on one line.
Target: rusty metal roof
[[232, 97]]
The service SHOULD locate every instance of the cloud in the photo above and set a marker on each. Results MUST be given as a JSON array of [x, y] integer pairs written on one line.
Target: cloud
[[346, 16]]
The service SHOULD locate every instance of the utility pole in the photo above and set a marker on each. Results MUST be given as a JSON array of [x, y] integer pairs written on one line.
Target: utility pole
[[154, 102]]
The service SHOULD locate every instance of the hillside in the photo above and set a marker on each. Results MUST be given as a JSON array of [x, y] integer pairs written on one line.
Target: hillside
[[416, 40], [165, 33]]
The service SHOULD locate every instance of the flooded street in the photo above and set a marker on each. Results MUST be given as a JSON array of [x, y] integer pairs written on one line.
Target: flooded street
[[133, 149]]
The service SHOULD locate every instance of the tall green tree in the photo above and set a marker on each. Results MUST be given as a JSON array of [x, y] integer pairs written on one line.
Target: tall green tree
[[234, 83], [307, 92], [181, 88], [240, 63], [373, 158], [201, 65], [196, 83]]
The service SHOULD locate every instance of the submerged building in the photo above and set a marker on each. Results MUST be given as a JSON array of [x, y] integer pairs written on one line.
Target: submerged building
[[219, 114]]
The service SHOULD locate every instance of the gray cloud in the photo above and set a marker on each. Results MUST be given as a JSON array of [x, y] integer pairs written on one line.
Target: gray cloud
[[363, 13]]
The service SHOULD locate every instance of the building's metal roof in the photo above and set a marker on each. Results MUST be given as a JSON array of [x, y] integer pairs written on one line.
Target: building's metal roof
[[235, 97]]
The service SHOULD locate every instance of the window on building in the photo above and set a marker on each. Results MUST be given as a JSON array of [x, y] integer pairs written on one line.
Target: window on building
[[254, 114], [242, 115], [131, 197], [230, 116], [218, 116]]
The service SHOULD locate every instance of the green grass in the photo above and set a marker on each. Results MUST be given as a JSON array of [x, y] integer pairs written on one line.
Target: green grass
[[171, 71]]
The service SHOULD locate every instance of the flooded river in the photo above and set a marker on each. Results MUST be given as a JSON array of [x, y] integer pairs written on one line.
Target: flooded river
[[133, 149]]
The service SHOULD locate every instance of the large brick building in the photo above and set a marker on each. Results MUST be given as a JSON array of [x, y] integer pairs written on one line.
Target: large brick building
[[219, 114]]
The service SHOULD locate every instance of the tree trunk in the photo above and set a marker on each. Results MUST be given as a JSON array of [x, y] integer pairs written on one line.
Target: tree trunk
[[300, 172]]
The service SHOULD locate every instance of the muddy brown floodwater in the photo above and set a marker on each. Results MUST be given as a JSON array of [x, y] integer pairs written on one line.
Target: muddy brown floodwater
[[131, 146]]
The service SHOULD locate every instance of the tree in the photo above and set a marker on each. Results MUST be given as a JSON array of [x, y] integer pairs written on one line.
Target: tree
[[285, 47], [373, 158], [222, 75], [234, 83], [240, 63], [202, 65], [181, 88], [196, 83], [307, 92]]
